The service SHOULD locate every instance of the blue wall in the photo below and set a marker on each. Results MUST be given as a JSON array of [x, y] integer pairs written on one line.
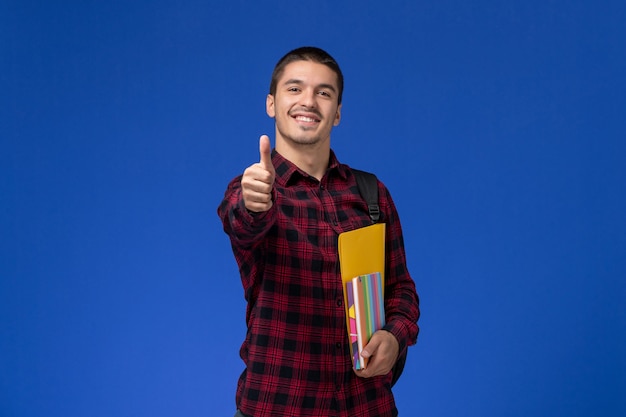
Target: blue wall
[[498, 127]]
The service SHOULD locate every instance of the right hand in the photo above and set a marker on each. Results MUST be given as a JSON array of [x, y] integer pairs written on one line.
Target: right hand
[[257, 181]]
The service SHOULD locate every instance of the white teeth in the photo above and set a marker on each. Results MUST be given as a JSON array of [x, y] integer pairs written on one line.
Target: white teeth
[[305, 119]]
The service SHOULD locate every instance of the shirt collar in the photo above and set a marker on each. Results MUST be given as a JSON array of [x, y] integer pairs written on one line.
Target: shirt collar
[[287, 171]]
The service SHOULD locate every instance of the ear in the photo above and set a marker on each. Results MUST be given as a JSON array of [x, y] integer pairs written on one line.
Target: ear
[[337, 116], [269, 106]]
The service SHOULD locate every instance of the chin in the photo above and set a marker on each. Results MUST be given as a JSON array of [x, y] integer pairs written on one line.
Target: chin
[[306, 141], [302, 140]]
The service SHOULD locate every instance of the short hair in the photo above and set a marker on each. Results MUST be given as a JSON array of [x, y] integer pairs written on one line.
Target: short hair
[[307, 53]]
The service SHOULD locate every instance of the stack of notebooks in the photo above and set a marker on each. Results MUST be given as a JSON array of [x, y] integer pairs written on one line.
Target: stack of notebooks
[[366, 313], [362, 261]]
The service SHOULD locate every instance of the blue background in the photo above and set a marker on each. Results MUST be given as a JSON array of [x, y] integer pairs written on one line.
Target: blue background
[[498, 127]]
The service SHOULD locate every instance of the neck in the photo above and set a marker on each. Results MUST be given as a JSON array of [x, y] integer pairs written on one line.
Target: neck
[[312, 159]]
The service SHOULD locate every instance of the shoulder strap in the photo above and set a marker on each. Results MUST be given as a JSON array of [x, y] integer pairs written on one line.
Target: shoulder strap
[[368, 187]]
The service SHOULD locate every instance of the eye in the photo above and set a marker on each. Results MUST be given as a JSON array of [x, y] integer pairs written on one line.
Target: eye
[[293, 89], [324, 93]]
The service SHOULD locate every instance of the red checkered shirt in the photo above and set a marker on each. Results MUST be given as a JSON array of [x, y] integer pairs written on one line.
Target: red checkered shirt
[[295, 351]]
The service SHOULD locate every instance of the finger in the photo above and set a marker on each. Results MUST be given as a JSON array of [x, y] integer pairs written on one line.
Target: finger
[[256, 198], [371, 348], [265, 149], [256, 177], [373, 368]]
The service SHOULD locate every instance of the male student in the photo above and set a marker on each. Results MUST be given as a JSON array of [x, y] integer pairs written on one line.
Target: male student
[[283, 217]]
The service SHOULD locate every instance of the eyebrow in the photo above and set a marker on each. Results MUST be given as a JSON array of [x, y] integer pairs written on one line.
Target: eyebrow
[[300, 82]]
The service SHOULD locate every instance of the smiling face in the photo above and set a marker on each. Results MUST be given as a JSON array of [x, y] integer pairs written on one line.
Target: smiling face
[[305, 105]]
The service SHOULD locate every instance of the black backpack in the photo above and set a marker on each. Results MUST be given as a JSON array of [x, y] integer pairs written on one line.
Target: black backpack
[[368, 187]]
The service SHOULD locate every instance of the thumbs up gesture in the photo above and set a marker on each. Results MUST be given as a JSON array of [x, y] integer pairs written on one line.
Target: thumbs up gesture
[[258, 180]]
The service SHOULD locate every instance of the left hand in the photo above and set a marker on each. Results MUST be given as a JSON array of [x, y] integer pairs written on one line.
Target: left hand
[[382, 351]]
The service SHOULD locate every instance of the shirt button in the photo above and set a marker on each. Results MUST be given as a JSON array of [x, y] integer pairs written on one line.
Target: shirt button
[[338, 345], [339, 302]]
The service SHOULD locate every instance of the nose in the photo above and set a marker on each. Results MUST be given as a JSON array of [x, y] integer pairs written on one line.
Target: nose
[[308, 98]]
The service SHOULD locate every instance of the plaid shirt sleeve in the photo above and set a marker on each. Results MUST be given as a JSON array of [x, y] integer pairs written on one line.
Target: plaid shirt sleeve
[[402, 305], [296, 354]]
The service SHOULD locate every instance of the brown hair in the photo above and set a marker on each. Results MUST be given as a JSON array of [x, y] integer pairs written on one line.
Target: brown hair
[[307, 53]]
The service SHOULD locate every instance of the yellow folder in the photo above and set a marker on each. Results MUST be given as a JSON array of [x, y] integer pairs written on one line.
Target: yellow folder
[[362, 251]]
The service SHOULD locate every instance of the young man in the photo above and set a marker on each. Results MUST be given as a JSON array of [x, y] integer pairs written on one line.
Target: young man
[[283, 217]]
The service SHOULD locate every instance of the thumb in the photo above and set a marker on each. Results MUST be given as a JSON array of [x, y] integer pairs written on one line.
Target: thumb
[[265, 149], [371, 347]]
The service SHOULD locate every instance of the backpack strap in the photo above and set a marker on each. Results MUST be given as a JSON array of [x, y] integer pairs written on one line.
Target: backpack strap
[[368, 187]]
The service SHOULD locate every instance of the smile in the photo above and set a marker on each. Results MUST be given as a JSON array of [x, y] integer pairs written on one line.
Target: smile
[[306, 119]]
